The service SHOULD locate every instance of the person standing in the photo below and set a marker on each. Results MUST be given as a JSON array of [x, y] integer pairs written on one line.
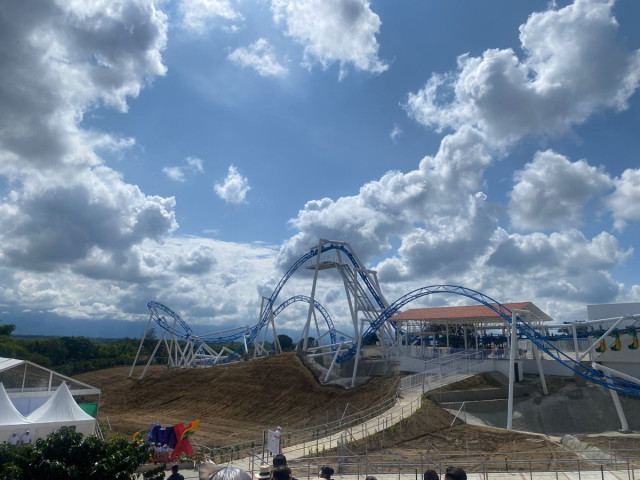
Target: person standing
[[13, 440], [281, 473], [26, 438], [279, 460], [174, 473]]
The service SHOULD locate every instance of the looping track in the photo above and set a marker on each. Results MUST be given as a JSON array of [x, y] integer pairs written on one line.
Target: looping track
[[525, 330]]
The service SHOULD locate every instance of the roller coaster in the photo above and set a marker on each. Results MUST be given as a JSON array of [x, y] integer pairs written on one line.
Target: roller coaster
[[367, 306]]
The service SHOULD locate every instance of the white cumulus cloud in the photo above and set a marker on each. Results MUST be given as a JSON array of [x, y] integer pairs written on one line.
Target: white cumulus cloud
[[201, 15], [191, 165], [551, 192], [624, 202], [573, 66], [260, 56], [342, 31], [234, 187]]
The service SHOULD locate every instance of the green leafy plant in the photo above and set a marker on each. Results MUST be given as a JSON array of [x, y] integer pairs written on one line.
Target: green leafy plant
[[67, 455]]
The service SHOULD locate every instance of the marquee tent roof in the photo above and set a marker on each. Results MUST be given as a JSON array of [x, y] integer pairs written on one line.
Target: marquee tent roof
[[61, 407], [9, 415]]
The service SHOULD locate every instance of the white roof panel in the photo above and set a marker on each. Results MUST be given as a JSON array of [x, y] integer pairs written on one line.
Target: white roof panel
[[61, 407], [9, 415], [6, 363]]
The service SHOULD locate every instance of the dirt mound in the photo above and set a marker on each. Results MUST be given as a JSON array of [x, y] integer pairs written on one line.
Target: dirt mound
[[433, 433], [234, 402]]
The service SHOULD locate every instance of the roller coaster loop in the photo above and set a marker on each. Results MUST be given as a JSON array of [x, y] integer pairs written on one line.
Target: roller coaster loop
[[300, 262], [317, 306], [524, 329]]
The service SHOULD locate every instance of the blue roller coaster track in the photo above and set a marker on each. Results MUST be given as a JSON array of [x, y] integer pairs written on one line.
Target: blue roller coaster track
[[524, 329], [317, 306], [299, 263], [186, 333]]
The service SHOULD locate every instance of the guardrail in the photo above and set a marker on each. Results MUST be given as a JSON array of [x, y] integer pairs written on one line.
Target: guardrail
[[615, 465], [323, 437]]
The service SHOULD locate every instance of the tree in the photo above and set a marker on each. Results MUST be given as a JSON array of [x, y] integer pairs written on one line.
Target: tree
[[6, 330], [286, 343], [66, 455]]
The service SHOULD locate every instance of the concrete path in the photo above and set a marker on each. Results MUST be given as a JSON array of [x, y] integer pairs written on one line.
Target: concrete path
[[406, 404]]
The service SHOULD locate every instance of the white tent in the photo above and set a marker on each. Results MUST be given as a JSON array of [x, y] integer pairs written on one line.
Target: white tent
[[11, 420], [29, 385], [59, 411]]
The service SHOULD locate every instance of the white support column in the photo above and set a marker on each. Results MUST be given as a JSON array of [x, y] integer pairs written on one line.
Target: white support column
[[276, 340], [311, 302], [265, 301], [624, 426], [144, 335], [575, 342], [512, 370], [153, 354], [536, 354], [333, 362], [357, 360], [609, 372]]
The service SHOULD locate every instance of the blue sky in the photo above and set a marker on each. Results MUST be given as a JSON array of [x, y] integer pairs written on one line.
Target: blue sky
[[189, 151]]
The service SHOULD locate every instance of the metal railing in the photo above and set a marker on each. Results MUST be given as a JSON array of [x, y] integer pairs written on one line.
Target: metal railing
[[323, 437], [618, 464]]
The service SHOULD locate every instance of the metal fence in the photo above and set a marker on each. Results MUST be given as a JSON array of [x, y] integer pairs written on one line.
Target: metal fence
[[618, 465], [325, 436]]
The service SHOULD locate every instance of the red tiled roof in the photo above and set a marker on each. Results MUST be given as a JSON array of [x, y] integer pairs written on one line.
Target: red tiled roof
[[446, 313]]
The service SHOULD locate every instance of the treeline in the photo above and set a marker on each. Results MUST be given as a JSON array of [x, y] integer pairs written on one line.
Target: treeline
[[73, 355]]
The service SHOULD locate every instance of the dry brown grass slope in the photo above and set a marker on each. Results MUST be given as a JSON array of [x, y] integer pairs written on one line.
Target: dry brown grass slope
[[234, 402]]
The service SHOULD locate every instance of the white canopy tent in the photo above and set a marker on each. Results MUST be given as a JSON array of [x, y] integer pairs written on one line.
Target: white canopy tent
[[59, 411], [11, 420], [29, 385]]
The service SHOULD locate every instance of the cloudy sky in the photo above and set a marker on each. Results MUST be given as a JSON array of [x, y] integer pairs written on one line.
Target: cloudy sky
[[190, 151]]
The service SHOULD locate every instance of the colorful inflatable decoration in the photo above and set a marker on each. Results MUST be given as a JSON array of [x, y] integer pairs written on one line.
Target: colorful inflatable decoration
[[183, 444], [175, 437]]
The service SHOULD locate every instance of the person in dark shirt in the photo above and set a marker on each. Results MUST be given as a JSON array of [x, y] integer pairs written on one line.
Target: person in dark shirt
[[175, 475]]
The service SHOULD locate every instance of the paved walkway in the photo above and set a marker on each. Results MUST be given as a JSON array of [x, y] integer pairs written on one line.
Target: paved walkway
[[407, 403]]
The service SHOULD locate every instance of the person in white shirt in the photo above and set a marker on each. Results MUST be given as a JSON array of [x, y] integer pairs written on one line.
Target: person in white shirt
[[26, 438], [13, 439]]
